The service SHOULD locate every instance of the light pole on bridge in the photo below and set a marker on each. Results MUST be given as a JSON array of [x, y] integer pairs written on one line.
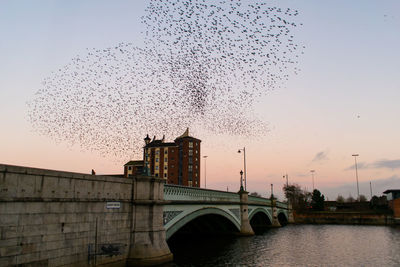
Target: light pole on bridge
[[205, 171], [244, 165], [241, 180]]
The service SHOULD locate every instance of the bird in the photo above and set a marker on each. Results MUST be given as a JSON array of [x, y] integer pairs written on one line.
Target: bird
[[202, 66]]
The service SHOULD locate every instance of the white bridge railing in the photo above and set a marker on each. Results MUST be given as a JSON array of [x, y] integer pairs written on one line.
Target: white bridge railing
[[184, 193]]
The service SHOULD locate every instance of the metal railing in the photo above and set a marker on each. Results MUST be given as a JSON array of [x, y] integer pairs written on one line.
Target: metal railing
[[184, 193]]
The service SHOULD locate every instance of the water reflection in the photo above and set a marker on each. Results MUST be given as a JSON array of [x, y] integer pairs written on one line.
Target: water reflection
[[293, 245]]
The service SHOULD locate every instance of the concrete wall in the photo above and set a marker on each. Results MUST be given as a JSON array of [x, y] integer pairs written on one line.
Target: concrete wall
[[56, 218]]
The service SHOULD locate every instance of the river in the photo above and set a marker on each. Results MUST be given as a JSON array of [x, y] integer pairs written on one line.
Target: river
[[293, 245]]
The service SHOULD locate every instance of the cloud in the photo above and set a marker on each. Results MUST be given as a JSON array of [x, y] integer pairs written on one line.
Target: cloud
[[379, 164], [320, 156], [390, 164], [360, 165]]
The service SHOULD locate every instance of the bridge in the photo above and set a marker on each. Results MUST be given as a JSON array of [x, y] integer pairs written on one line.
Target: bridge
[[216, 211], [55, 218]]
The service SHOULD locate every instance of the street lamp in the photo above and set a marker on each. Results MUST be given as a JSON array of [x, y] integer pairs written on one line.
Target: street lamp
[[272, 191], [205, 171], [312, 175], [287, 180], [244, 164], [241, 180], [355, 160]]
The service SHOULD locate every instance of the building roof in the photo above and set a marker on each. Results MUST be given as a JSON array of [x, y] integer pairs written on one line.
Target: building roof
[[159, 143], [392, 190], [186, 135], [135, 163]]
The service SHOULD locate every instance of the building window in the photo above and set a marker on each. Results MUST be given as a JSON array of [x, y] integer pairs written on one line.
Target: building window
[[190, 183], [156, 168], [156, 159], [165, 175], [165, 159], [165, 151], [196, 174], [190, 167], [190, 152], [130, 168], [196, 166], [197, 151], [156, 174], [190, 160], [191, 144], [172, 166], [165, 167], [172, 150]]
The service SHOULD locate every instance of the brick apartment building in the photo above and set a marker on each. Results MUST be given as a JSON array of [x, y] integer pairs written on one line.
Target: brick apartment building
[[177, 162]]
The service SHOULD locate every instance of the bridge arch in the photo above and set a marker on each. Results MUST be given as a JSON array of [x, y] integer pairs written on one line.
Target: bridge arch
[[198, 213], [262, 210], [282, 218]]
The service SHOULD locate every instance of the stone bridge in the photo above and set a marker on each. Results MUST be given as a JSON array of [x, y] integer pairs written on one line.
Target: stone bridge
[[187, 204], [55, 218]]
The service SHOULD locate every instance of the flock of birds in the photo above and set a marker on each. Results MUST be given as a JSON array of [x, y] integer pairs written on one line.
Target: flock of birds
[[204, 64]]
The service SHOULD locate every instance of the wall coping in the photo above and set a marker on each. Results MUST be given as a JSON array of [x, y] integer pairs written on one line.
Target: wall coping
[[4, 168]]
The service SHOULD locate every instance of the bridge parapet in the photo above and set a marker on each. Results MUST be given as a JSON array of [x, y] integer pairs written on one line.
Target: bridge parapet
[[259, 200], [183, 193], [281, 205]]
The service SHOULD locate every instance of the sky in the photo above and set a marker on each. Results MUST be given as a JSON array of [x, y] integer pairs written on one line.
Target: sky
[[344, 100]]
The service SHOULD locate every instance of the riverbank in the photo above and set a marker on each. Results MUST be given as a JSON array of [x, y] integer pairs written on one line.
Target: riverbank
[[348, 217]]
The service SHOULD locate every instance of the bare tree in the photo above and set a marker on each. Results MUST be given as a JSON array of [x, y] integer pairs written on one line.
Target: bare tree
[[340, 199]]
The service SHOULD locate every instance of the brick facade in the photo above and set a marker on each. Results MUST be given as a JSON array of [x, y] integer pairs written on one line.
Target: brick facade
[[177, 162]]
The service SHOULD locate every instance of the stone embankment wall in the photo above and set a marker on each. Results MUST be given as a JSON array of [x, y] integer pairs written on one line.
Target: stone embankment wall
[[344, 218], [52, 218]]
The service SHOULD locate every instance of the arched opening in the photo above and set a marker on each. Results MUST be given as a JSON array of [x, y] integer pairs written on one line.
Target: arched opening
[[260, 222], [282, 219], [208, 224], [202, 234]]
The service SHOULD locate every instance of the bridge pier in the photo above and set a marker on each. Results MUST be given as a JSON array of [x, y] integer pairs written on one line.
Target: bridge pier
[[275, 221], [148, 241], [245, 227], [290, 213]]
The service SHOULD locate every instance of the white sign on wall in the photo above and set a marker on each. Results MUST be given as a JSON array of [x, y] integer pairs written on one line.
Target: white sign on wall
[[113, 205]]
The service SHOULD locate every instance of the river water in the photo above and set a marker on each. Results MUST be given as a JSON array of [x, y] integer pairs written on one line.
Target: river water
[[294, 245]]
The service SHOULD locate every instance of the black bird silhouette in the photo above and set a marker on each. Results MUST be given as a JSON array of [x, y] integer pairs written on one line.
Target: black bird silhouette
[[203, 66]]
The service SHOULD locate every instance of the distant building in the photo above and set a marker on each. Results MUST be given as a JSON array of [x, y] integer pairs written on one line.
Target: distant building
[[133, 167], [393, 197], [177, 162]]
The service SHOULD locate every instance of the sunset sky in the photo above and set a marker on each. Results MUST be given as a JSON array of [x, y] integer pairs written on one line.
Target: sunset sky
[[344, 101]]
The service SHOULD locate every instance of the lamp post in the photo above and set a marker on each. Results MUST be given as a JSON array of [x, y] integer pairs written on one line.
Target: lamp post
[[355, 161], [241, 180], [244, 165], [370, 188], [312, 175], [287, 180], [205, 171], [272, 191]]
